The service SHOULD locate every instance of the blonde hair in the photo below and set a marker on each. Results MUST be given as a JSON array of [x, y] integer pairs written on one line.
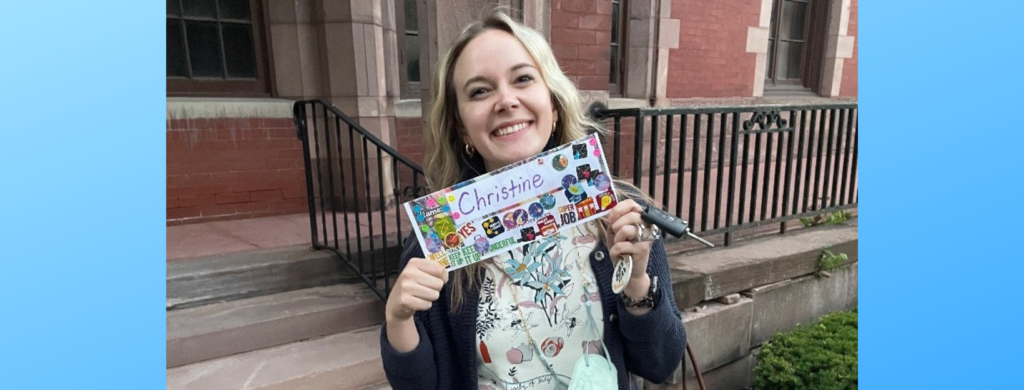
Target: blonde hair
[[444, 169]]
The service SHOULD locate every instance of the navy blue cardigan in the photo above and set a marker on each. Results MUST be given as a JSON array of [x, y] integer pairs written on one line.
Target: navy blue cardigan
[[650, 345]]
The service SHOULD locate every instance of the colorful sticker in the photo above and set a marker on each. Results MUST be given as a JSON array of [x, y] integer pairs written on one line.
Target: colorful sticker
[[579, 151], [559, 162]]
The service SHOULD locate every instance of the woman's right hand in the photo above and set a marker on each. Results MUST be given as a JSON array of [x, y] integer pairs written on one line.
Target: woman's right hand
[[416, 289]]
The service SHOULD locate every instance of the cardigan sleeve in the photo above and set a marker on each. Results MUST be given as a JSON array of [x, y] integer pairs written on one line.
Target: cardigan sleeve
[[654, 342], [409, 370], [415, 369]]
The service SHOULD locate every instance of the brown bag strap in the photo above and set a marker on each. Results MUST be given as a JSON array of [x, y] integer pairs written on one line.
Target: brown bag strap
[[696, 370]]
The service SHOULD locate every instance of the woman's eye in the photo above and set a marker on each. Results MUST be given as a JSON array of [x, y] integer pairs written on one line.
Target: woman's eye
[[524, 78], [476, 92]]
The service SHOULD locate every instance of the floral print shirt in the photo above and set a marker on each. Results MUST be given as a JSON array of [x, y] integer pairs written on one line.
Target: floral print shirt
[[548, 277]]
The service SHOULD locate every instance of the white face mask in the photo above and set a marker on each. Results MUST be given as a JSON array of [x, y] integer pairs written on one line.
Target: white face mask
[[594, 372]]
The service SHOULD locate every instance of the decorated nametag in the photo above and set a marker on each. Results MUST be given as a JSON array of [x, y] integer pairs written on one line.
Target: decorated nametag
[[512, 206]]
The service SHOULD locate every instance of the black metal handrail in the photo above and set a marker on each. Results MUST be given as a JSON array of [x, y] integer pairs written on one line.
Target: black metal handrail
[[814, 147], [329, 154], [734, 187]]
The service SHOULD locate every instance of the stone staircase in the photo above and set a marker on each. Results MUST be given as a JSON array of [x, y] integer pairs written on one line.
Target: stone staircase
[[292, 318], [284, 318]]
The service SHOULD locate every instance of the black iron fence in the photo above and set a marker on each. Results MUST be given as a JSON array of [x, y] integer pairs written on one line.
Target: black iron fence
[[723, 169], [726, 169], [355, 184]]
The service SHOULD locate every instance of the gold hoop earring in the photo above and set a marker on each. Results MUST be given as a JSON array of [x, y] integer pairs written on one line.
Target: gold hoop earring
[[470, 150]]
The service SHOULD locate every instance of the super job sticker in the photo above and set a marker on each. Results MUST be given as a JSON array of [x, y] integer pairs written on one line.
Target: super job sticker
[[512, 206]]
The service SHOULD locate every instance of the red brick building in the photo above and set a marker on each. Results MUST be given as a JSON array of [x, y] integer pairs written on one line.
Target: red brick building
[[235, 67]]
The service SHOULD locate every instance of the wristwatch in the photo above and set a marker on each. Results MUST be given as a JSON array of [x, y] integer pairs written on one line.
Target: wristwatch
[[646, 301]]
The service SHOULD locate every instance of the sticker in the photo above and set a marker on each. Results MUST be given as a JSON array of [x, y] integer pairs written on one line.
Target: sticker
[[606, 201], [547, 201], [585, 208], [444, 225], [433, 244], [602, 182], [579, 151], [481, 244], [547, 225], [466, 230], [560, 162], [568, 180], [493, 227], [574, 198], [527, 234], [583, 172], [452, 240], [536, 210]]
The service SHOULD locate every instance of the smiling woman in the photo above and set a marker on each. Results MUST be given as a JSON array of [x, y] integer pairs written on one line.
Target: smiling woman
[[499, 97]]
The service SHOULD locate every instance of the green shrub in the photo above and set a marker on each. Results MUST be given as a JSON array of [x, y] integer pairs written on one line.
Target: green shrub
[[822, 356], [835, 218], [829, 261]]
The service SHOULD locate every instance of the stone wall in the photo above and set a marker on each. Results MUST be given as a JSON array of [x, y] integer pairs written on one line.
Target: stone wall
[[737, 298]]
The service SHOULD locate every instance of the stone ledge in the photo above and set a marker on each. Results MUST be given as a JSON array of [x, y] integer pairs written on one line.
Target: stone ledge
[[759, 262], [197, 108], [719, 333], [780, 307]]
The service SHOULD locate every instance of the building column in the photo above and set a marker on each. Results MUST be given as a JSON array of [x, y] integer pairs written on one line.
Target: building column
[[838, 48], [359, 75], [757, 43], [650, 34]]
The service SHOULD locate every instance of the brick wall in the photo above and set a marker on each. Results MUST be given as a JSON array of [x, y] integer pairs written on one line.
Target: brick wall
[[848, 86], [712, 58], [581, 39], [409, 132], [230, 168]]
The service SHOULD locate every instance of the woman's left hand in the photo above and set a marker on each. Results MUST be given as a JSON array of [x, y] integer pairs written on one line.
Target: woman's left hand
[[622, 229]]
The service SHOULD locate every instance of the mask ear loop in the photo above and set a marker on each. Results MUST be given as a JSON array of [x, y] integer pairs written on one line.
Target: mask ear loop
[[593, 328]]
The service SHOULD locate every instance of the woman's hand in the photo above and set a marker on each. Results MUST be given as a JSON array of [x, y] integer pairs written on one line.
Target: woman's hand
[[416, 289], [621, 223]]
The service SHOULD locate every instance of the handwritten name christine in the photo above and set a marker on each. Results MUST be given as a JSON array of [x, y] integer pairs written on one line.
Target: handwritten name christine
[[469, 203]]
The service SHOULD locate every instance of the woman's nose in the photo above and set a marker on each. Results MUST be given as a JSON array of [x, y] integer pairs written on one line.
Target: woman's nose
[[507, 100]]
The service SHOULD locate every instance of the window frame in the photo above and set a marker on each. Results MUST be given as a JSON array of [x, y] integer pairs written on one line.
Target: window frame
[[260, 86], [617, 52], [409, 89], [771, 72]]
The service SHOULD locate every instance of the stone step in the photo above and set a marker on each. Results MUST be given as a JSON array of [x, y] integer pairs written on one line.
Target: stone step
[[711, 274], [226, 277], [344, 361], [228, 328]]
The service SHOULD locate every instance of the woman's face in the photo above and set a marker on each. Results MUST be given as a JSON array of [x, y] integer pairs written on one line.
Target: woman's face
[[504, 104]]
